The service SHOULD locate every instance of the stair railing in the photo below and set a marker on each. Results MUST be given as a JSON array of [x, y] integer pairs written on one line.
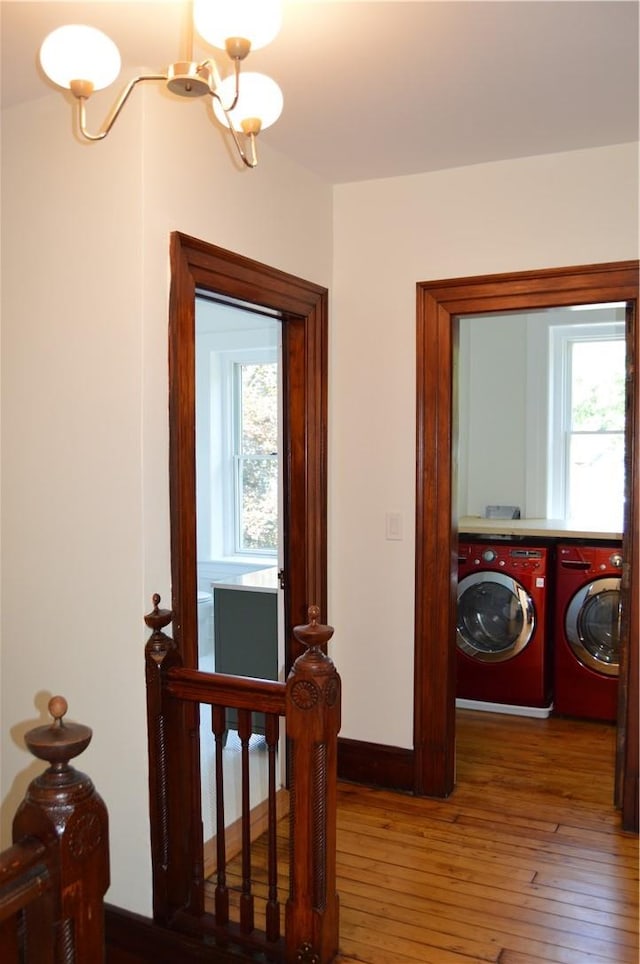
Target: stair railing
[[309, 703], [54, 877]]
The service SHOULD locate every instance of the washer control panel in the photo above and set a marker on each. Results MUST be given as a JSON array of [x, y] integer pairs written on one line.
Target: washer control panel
[[504, 557]]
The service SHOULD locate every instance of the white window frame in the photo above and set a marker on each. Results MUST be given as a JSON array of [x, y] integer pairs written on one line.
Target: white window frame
[[561, 339], [230, 456]]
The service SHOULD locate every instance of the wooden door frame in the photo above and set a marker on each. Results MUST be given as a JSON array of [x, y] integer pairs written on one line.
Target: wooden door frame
[[439, 305], [176, 821], [302, 306]]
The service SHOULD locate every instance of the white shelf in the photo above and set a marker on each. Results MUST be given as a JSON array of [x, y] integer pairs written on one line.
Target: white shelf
[[556, 528], [262, 580]]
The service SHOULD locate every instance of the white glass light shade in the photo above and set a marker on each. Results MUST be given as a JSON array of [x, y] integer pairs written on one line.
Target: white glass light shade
[[77, 52], [256, 20], [259, 97]]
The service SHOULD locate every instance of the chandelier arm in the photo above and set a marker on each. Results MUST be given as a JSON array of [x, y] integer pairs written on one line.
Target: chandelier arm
[[216, 79], [111, 119], [252, 160], [210, 67]]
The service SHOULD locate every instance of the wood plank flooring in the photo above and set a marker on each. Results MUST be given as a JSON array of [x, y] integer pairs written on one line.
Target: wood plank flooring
[[523, 864]]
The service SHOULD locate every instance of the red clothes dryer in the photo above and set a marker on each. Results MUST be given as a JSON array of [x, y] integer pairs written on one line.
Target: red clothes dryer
[[501, 633], [587, 631]]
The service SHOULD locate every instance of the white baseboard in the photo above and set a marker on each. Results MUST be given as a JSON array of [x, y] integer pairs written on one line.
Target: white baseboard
[[539, 712]]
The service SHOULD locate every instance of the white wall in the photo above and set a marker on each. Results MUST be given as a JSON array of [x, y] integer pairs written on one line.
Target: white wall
[[85, 272], [537, 212], [493, 403], [85, 277], [71, 498]]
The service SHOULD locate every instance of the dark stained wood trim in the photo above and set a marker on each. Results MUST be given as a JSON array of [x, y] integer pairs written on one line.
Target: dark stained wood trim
[[627, 761], [436, 557], [303, 307], [236, 691], [134, 939], [375, 765], [439, 303]]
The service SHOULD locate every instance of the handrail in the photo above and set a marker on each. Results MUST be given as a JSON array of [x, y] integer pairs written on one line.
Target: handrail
[[24, 876], [309, 703], [236, 692], [54, 876]]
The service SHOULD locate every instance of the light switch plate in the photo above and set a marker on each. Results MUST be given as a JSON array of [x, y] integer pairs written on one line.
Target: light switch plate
[[394, 525]]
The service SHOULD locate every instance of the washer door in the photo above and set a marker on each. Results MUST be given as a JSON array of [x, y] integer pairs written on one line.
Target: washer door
[[496, 617], [592, 625]]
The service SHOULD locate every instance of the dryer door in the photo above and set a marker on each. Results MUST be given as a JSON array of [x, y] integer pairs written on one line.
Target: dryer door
[[592, 625], [496, 617]]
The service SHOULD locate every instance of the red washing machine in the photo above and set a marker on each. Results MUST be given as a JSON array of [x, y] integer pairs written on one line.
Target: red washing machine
[[587, 631], [501, 635]]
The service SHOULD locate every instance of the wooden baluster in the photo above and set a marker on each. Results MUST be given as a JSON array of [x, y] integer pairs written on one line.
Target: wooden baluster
[[63, 810], [9, 940], [26, 883], [160, 654], [219, 728], [273, 906], [313, 722], [174, 780], [246, 897]]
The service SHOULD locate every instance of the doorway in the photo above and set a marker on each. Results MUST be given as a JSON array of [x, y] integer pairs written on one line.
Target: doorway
[[302, 309], [199, 269], [439, 305], [239, 488]]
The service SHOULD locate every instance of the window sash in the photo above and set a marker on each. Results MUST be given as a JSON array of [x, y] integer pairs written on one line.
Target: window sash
[[564, 492], [240, 460]]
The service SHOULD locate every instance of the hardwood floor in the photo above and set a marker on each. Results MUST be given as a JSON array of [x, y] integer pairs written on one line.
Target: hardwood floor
[[523, 864]]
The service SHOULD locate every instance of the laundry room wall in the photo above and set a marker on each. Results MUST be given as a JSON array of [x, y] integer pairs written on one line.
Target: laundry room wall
[[493, 394], [504, 394], [574, 208]]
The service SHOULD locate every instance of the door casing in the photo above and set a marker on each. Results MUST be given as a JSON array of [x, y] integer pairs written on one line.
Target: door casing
[[302, 307], [439, 305]]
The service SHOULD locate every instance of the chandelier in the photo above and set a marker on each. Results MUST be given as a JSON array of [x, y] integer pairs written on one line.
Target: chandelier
[[82, 59]]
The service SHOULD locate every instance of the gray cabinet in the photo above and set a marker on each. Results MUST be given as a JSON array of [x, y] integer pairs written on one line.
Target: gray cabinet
[[245, 625]]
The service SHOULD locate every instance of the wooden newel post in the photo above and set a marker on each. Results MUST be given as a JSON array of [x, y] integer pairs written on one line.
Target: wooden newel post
[[62, 809], [160, 655], [313, 723]]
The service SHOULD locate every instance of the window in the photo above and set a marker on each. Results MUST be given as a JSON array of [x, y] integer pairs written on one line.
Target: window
[[255, 456], [238, 425], [586, 479]]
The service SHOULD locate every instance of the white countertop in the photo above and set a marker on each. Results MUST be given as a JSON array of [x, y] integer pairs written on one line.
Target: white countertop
[[477, 525], [262, 580]]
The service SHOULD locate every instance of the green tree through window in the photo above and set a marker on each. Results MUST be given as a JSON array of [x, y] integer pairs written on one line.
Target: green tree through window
[[596, 425], [256, 456]]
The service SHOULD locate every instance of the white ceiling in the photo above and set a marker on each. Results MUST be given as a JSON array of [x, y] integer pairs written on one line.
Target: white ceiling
[[379, 89]]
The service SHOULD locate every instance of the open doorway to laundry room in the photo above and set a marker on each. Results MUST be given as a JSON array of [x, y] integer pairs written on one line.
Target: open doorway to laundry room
[[440, 305]]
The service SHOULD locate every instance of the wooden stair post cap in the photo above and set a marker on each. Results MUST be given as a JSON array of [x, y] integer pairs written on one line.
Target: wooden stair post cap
[[158, 618], [59, 742], [313, 634]]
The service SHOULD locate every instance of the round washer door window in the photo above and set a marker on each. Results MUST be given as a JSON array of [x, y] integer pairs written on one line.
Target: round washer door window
[[592, 625], [496, 617]]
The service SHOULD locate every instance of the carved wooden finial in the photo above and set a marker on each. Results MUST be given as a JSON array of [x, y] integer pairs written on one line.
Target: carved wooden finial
[[314, 634], [58, 707], [58, 742], [158, 618]]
